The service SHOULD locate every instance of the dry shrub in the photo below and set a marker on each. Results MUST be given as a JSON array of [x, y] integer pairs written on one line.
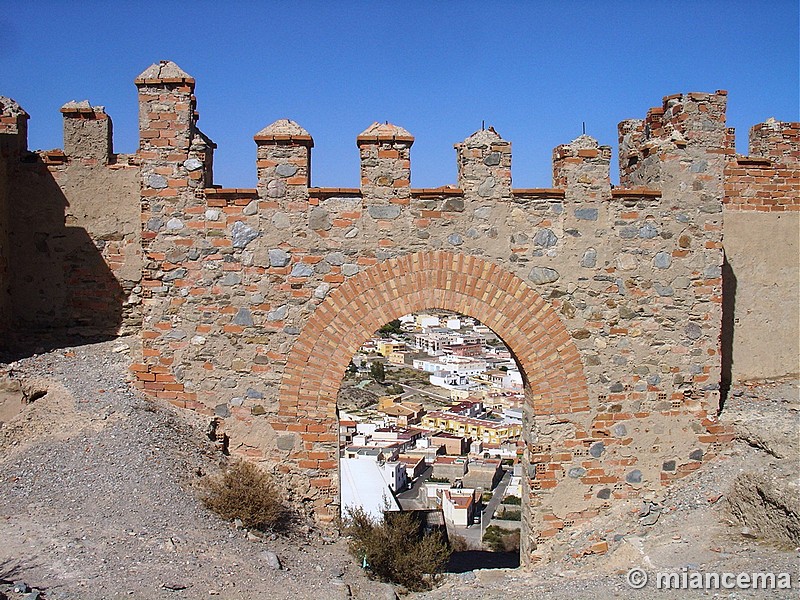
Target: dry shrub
[[243, 491], [500, 539], [397, 548], [459, 543]]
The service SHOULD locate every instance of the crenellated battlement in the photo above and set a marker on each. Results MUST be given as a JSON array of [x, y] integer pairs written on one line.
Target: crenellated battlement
[[767, 179], [87, 132], [684, 124], [13, 128], [694, 118], [776, 140], [582, 167], [168, 129]]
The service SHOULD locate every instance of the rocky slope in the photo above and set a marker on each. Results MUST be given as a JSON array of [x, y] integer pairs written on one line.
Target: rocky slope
[[98, 499]]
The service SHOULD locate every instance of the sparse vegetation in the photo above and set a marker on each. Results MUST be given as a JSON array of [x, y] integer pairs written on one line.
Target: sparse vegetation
[[486, 496], [243, 491], [377, 371], [510, 515], [513, 500], [392, 327], [499, 539], [396, 548], [406, 375], [394, 389], [433, 479], [459, 543]]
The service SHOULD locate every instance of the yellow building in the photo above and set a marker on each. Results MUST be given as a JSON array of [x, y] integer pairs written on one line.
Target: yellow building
[[386, 347], [398, 357], [402, 414], [478, 429]]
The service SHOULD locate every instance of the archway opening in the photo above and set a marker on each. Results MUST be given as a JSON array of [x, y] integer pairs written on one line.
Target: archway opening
[[430, 415], [555, 383]]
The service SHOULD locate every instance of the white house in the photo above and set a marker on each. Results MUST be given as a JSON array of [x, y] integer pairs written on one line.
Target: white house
[[364, 486], [512, 380], [512, 415], [453, 323], [424, 320], [394, 474], [459, 506]]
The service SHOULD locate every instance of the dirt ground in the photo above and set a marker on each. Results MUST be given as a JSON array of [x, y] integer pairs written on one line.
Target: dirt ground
[[98, 499]]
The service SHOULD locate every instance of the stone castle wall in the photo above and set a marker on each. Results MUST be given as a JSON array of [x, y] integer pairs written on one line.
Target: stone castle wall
[[72, 225], [251, 302], [5, 299], [13, 138], [762, 246]]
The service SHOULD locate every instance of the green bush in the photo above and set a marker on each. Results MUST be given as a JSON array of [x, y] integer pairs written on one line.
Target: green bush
[[391, 327], [377, 371], [243, 491], [396, 548], [513, 500], [486, 497], [501, 540], [510, 515]]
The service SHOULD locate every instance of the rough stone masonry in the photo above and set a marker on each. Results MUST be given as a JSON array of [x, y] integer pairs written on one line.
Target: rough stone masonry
[[629, 309]]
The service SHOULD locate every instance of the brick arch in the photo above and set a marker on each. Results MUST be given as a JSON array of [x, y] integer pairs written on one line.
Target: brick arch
[[421, 281]]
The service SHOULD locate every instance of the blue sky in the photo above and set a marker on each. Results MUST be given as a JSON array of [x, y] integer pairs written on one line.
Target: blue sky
[[534, 70]]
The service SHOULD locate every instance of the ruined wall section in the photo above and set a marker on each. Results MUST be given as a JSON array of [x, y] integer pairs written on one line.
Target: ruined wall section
[[13, 143], [5, 278], [644, 306], [87, 133], [762, 232], [73, 233], [102, 197], [777, 140], [634, 274]]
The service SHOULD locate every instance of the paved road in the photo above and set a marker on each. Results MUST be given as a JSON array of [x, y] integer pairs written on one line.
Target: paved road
[[411, 391], [474, 533], [408, 499], [491, 506]]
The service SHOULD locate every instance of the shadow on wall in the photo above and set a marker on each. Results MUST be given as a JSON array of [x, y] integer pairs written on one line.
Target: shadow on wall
[[62, 291], [728, 323]]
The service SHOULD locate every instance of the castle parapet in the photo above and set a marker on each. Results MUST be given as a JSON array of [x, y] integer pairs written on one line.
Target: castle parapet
[[692, 124], [767, 180], [776, 140], [166, 110], [385, 152], [582, 168], [87, 132], [698, 117], [176, 157], [484, 166], [13, 128], [283, 160]]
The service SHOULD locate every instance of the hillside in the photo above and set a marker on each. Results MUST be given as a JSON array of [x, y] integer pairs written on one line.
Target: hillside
[[99, 500]]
